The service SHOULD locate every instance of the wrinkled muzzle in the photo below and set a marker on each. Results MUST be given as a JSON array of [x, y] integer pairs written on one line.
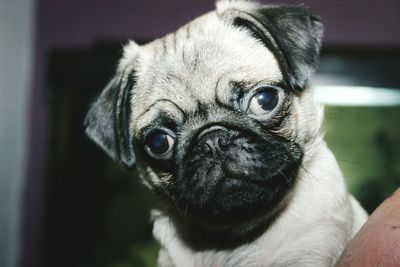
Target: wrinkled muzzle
[[232, 174]]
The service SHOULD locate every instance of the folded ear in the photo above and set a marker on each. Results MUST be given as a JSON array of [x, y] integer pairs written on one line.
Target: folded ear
[[292, 33], [108, 121]]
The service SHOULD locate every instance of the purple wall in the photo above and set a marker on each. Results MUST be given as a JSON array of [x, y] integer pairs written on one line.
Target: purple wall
[[354, 22], [62, 23]]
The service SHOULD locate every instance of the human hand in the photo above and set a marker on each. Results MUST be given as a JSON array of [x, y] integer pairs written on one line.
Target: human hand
[[378, 242]]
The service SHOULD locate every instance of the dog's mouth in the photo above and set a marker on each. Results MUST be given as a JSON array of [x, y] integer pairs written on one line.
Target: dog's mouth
[[234, 200], [230, 183]]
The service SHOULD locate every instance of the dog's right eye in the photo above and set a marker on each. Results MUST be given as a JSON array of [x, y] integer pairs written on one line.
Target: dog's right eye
[[264, 101], [159, 144]]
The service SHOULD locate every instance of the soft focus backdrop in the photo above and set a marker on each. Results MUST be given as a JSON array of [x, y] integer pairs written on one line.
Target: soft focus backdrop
[[64, 203]]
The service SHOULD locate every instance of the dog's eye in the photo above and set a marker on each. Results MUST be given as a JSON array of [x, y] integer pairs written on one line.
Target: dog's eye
[[159, 144], [264, 101]]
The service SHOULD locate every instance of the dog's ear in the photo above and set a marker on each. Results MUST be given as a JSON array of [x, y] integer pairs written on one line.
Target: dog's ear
[[292, 33], [108, 121]]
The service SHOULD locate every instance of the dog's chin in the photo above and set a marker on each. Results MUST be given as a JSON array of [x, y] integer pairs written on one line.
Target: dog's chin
[[236, 200]]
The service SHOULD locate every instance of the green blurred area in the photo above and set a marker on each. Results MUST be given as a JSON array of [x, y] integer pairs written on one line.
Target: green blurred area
[[366, 143], [128, 226]]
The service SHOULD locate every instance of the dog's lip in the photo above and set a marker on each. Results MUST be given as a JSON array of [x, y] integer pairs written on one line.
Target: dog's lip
[[269, 182], [279, 178], [211, 211], [263, 194]]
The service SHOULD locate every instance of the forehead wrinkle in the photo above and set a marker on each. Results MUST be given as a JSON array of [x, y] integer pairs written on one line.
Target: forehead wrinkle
[[233, 56], [154, 105], [222, 96]]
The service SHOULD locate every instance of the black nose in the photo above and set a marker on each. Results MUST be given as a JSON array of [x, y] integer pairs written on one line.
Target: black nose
[[216, 139]]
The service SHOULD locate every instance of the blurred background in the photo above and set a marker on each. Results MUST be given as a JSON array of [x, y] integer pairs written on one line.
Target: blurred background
[[64, 203]]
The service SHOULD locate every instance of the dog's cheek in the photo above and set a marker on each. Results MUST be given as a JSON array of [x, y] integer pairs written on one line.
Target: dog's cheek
[[288, 128], [153, 180], [307, 119]]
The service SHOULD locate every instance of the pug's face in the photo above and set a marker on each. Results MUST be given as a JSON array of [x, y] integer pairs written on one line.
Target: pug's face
[[216, 115]]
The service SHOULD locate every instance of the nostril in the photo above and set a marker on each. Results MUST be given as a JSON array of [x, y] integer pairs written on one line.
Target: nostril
[[215, 140], [213, 144], [222, 144], [208, 147]]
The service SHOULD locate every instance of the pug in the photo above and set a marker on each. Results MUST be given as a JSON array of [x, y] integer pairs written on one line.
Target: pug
[[221, 125]]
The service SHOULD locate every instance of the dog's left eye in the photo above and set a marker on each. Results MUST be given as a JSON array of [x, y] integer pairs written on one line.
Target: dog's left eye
[[263, 101], [159, 144]]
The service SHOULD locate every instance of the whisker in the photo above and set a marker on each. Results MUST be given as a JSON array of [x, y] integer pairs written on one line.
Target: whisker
[[350, 161], [286, 178], [308, 172], [177, 204], [186, 210]]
